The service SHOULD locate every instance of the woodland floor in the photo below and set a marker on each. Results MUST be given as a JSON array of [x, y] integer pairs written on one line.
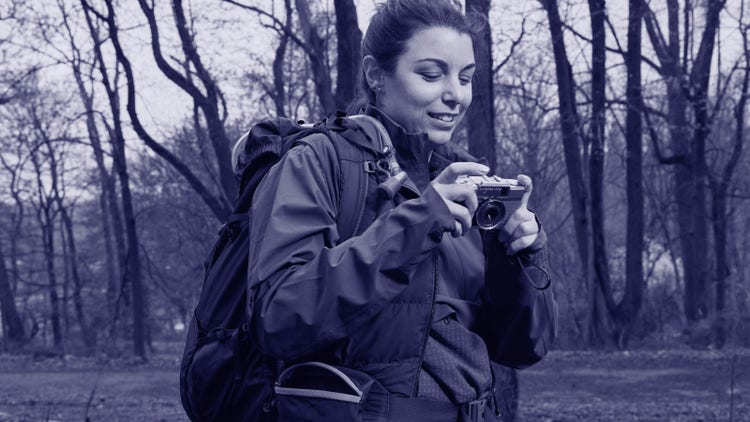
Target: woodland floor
[[673, 385]]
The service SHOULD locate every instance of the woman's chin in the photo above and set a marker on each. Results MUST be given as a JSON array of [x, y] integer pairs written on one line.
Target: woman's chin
[[439, 137]]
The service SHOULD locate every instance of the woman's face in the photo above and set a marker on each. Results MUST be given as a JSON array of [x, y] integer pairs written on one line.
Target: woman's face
[[430, 89]]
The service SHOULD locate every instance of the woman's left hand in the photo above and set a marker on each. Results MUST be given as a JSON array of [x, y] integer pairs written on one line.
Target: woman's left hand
[[522, 228]]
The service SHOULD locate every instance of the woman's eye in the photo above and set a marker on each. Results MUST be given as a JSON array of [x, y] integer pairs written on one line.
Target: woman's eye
[[465, 79], [431, 76]]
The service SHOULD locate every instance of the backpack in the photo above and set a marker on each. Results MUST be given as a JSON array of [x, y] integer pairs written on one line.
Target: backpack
[[223, 376]]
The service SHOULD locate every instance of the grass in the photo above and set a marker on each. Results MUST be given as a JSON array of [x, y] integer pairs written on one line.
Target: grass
[[674, 385]]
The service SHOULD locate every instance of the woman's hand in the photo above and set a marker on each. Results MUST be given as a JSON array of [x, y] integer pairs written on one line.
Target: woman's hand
[[522, 228], [461, 199]]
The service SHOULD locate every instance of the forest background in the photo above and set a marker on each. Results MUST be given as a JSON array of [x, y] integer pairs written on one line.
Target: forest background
[[117, 120]]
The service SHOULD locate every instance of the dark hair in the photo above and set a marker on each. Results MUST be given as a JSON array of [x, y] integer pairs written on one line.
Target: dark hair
[[393, 25]]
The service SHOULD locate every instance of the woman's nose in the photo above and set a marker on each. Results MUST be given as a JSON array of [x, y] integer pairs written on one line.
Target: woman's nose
[[452, 92]]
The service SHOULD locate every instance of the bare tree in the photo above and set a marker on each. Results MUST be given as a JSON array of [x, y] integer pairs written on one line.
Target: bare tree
[[46, 215], [132, 275], [631, 302], [480, 118], [211, 103], [207, 97], [688, 86], [11, 319], [71, 255], [12, 79], [572, 144], [594, 143], [349, 43], [12, 322], [315, 46], [607, 314], [720, 191], [108, 204]]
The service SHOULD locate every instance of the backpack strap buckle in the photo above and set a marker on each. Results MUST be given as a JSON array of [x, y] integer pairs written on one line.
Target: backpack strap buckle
[[381, 167], [473, 411]]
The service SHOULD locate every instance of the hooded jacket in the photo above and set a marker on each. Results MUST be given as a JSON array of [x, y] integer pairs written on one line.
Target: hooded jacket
[[369, 302]]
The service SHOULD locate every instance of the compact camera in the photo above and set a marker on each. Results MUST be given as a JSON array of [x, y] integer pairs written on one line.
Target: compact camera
[[498, 198]]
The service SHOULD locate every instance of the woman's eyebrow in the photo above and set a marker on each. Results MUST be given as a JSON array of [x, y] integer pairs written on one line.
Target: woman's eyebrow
[[444, 65]]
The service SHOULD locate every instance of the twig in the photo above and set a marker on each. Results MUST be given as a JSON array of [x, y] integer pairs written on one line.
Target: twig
[[93, 392]]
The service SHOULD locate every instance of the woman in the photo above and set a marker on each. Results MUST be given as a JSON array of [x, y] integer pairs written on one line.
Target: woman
[[420, 301]]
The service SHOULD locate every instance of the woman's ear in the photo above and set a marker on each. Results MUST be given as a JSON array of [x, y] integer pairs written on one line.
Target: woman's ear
[[373, 73]]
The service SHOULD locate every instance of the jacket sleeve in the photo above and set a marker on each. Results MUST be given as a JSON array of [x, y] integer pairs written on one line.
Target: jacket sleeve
[[519, 312], [307, 289]]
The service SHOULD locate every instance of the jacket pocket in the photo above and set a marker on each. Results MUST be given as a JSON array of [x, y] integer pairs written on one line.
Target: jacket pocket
[[316, 391]]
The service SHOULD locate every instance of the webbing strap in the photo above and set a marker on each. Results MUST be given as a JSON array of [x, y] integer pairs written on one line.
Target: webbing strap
[[403, 409]]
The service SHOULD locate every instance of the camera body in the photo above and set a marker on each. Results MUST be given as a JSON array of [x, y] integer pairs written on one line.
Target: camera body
[[498, 198]]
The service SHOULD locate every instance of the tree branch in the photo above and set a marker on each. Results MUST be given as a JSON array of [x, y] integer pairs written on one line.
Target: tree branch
[[277, 26], [513, 46], [617, 50]]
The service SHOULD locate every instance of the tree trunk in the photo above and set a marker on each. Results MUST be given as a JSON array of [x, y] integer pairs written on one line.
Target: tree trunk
[[87, 334], [720, 199], [133, 274], [480, 118], [688, 152], [699, 80], [480, 127], [67, 239], [570, 135], [279, 90], [599, 255], [316, 55], [45, 218], [349, 41], [12, 324], [571, 138], [110, 215], [634, 284]]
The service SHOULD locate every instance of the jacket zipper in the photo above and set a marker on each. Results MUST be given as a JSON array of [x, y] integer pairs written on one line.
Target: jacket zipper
[[415, 388]]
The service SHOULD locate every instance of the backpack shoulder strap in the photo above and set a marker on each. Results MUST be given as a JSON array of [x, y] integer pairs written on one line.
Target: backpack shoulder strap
[[355, 184], [366, 153]]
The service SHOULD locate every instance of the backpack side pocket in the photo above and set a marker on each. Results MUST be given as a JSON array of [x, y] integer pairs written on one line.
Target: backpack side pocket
[[316, 391], [228, 380]]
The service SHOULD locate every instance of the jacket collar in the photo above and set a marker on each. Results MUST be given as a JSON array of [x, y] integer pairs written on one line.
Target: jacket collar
[[420, 158], [413, 149]]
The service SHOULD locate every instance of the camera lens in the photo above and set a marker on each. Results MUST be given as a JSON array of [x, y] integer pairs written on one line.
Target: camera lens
[[490, 214]]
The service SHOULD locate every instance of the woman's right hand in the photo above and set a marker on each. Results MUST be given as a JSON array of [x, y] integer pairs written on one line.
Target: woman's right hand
[[461, 199]]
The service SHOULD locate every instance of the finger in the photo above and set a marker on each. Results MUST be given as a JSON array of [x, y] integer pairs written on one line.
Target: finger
[[457, 229], [526, 182], [522, 243], [450, 173], [461, 214], [461, 193]]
